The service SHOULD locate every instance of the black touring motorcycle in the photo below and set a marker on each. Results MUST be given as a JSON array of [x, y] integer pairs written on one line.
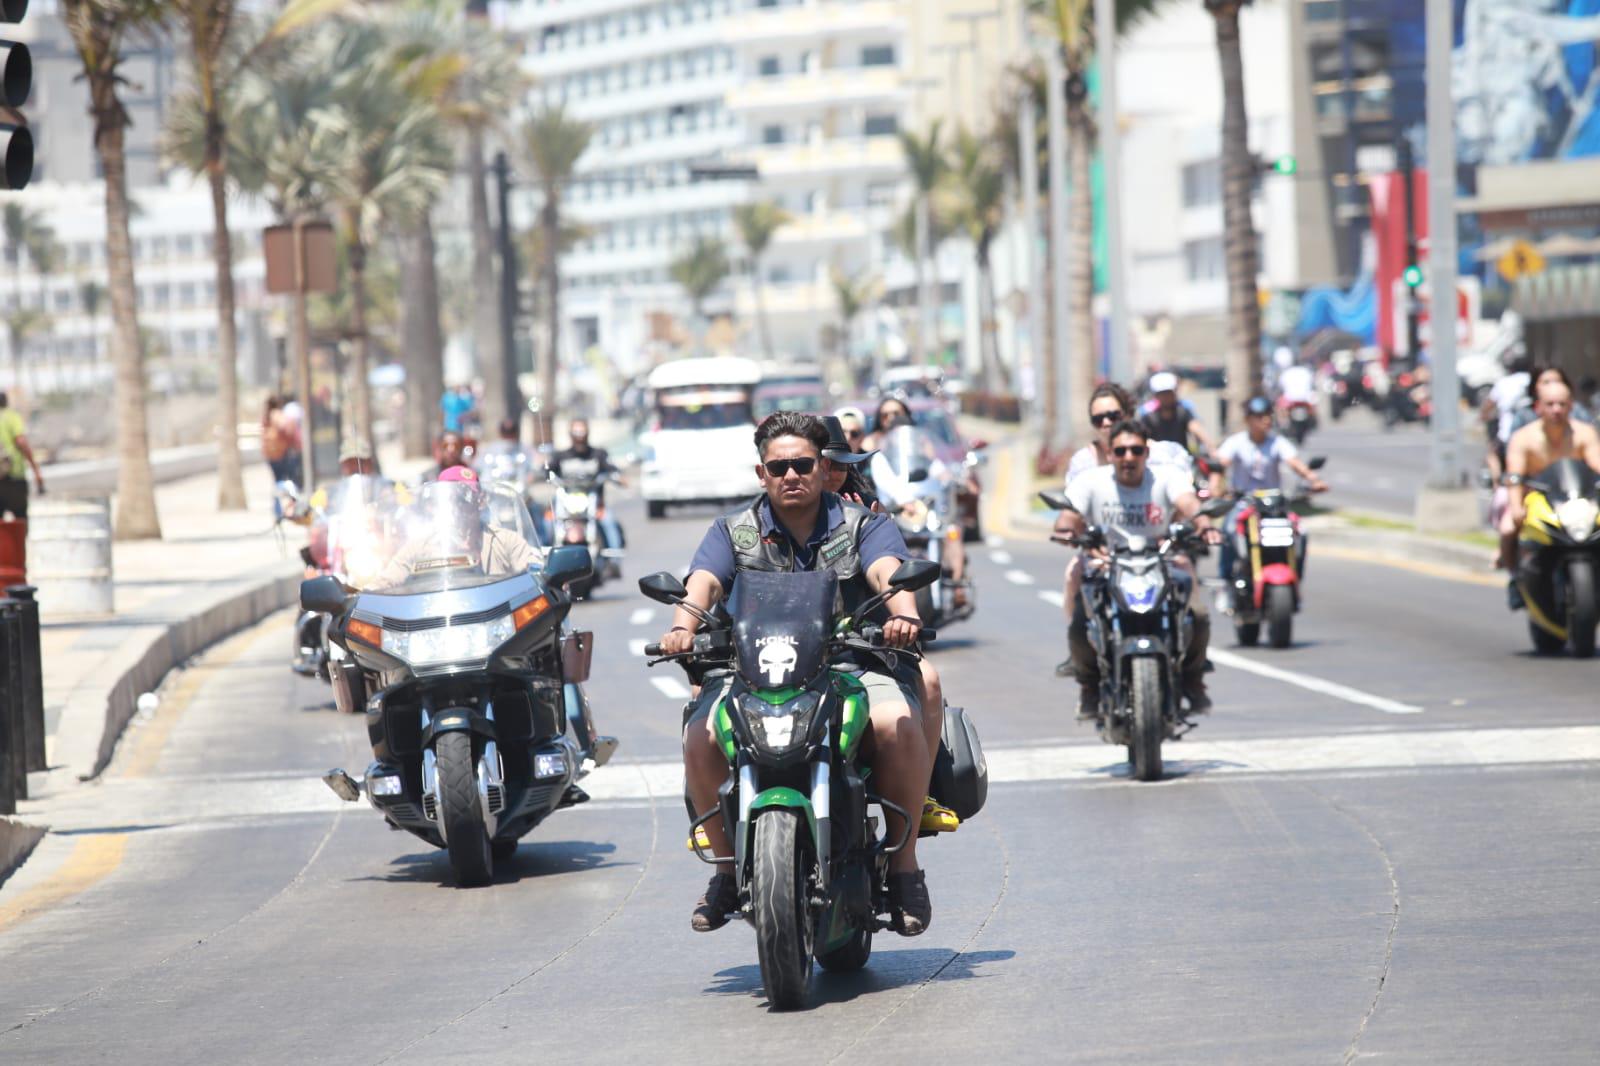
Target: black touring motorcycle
[[479, 725], [1140, 625], [811, 867]]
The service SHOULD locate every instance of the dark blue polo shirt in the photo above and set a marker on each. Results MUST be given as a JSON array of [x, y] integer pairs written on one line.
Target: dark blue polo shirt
[[880, 538]]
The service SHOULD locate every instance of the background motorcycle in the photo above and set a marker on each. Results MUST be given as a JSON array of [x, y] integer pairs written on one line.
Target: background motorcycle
[[1269, 561], [1140, 626], [478, 722], [574, 518], [811, 867], [919, 491], [1560, 544], [345, 537]]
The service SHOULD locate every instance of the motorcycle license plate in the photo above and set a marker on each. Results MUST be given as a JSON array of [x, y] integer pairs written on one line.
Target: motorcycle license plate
[[1277, 533]]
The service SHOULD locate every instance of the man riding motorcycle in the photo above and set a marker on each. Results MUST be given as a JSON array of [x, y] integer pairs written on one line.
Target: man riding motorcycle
[[582, 460], [796, 525], [1250, 460], [454, 529], [1555, 436], [1169, 418], [1130, 496]]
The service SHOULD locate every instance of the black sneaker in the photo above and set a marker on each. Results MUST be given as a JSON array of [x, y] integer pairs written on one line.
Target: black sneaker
[[1088, 702], [1064, 668], [1514, 598], [910, 909], [721, 899], [1199, 698]]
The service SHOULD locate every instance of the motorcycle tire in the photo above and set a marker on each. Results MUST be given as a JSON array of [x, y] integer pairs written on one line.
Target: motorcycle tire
[[1279, 609], [502, 849], [1581, 607], [460, 812], [1544, 643], [849, 957], [782, 914], [1247, 633], [1149, 720]]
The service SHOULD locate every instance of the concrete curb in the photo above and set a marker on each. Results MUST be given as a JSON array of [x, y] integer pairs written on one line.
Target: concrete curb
[[16, 843], [98, 477]]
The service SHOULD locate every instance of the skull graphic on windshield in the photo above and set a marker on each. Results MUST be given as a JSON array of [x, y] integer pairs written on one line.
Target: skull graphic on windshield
[[777, 660]]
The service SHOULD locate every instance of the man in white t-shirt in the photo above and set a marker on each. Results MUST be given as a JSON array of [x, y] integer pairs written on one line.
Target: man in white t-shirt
[[1253, 460], [1297, 384], [1129, 496]]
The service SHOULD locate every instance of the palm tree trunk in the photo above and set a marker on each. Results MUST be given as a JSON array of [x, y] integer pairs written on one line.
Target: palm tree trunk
[[360, 391], [1238, 229], [423, 344], [136, 517], [230, 473], [1047, 386], [550, 357], [925, 329], [759, 284], [1084, 368], [485, 283], [996, 379]]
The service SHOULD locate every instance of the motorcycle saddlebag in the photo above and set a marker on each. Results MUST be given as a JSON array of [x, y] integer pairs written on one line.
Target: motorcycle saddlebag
[[960, 774]]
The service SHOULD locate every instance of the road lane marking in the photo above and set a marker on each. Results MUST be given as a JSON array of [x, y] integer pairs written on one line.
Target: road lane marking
[[92, 859], [994, 542], [1019, 577], [1438, 570], [1000, 558], [1052, 597], [641, 616], [671, 687], [636, 647], [1312, 684]]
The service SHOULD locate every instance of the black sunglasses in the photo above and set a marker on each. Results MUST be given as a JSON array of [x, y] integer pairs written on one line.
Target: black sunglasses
[[1104, 417], [1126, 450], [781, 467]]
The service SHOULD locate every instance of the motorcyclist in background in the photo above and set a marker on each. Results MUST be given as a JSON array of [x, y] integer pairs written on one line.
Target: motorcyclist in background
[[1171, 419], [452, 529], [1250, 460], [1555, 436], [583, 460]]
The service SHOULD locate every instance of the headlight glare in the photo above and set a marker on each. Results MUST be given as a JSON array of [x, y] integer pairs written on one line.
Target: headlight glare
[[1139, 590], [449, 644], [1577, 517]]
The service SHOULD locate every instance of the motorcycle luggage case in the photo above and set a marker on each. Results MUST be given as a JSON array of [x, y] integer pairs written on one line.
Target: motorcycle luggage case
[[960, 774]]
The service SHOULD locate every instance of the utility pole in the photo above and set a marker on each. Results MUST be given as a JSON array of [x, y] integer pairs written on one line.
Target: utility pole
[[508, 294], [1118, 365], [1056, 90], [1442, 247], [1044, 412]]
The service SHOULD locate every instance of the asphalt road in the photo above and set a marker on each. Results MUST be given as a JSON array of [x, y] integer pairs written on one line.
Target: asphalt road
[[1406, 866], [1375, 469]]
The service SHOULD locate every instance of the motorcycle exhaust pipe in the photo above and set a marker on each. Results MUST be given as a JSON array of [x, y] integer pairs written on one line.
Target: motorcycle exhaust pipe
[[343, 785]]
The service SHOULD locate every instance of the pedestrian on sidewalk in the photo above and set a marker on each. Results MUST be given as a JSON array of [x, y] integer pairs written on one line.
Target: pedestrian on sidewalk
[[16, 456], [280, 444]]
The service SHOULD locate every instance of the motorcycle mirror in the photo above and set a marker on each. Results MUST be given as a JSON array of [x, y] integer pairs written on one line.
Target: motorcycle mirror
[[322, 595], [1216, 507], [919, 474], [914, 574], [1056, 501], [663, 588], [1317, 462], [566, 564]]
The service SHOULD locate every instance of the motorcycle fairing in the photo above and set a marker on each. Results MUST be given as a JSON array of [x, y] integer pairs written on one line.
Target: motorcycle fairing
[[780, 625]]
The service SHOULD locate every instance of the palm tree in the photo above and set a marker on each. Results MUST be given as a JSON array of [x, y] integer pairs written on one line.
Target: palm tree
[[23, 323], [391, 161], [92, 294], [926, 162], [700, 270], [99, 30], [852, 292], [554, 142], [978, 185], [45, 252], [757, 223], [1238, 230], [20, 225]]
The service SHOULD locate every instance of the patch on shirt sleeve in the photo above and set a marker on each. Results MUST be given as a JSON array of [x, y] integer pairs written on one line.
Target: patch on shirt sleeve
[[745, 537]]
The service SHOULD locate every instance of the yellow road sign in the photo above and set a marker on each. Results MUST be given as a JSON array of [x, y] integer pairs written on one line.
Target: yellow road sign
[[1521, 259]]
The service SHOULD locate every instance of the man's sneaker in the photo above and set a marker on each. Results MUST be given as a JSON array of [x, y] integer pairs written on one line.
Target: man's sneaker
[[910, 909], [1064, 668], [1088, 702], [937, 818], [1199, 698], [720, 900], [1514, 598]]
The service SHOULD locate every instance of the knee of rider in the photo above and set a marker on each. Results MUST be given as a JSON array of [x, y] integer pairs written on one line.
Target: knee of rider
[[895, 724]]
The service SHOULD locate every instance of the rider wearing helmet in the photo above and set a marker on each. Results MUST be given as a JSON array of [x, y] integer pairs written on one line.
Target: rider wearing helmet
[[454, 533]]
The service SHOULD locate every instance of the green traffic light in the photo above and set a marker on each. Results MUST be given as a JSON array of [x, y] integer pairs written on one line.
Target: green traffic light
[[1413, 275], [1285, 164]]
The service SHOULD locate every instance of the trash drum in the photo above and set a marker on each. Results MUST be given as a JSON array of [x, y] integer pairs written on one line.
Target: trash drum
[[70, 546], [13, 551]]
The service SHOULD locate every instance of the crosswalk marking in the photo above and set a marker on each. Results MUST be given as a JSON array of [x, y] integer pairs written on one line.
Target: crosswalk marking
[[671, 687]]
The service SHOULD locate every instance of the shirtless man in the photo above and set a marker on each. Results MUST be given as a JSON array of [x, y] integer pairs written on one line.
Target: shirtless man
[[1555, 436]]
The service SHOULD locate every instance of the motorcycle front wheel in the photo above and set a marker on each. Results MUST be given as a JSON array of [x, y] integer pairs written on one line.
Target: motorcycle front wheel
[[1149, 720], [1247, 633], [1582, 614], [460, 812], [782, 914]]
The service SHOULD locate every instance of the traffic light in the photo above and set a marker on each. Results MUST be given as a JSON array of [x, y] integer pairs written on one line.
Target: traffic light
[[1413, 276], [1286, 165], [16, 80]]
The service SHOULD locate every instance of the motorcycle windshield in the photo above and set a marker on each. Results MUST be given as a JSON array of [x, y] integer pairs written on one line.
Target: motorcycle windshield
[[458, 535], [781, 624], [360, 521], [1566, 480], [907, 467]]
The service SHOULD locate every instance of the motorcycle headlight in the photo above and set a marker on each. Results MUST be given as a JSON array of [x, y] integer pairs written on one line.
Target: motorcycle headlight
[[1139, 589], [1578, 517], [449, 644], [779, 720]]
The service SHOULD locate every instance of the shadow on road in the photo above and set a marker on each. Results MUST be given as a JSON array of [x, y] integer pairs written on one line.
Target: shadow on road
[[1171, 769], [886, 971], [532, 860]]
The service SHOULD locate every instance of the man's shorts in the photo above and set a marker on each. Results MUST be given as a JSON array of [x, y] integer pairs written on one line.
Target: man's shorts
[[882, 687], [14, 497]]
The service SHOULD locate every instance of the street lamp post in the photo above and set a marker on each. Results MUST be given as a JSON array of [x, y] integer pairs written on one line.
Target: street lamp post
[[1118, 366], [1056, 90], [508, 295]]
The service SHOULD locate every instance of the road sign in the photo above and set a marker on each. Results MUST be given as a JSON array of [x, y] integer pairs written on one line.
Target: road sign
[[1521, 259], [317, 270]]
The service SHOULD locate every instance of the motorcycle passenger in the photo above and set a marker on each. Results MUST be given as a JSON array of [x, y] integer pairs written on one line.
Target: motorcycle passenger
[[1130, 496], [1555, 436], [1171, 419], [842, 466], [581, 460], [451, 506], [796, 525], [1252, 460], [892, 411], [449, 452]]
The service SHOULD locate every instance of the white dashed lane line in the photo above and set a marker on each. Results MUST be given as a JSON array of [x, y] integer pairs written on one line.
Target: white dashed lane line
[[1000, 558], [1019, 577], [1053, 598], [636, 647], [671, 687], [1311, 684], [641, 616]]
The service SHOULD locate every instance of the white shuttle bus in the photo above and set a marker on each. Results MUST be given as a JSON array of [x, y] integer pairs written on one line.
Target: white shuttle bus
[[700, 447]]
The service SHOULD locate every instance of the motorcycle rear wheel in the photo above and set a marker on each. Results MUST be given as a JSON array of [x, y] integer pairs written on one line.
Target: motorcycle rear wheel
[[782, 915], [1279, 607], [1149, 720], [849, 957], [1248, 633], [1582, 611], [460, 812]]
